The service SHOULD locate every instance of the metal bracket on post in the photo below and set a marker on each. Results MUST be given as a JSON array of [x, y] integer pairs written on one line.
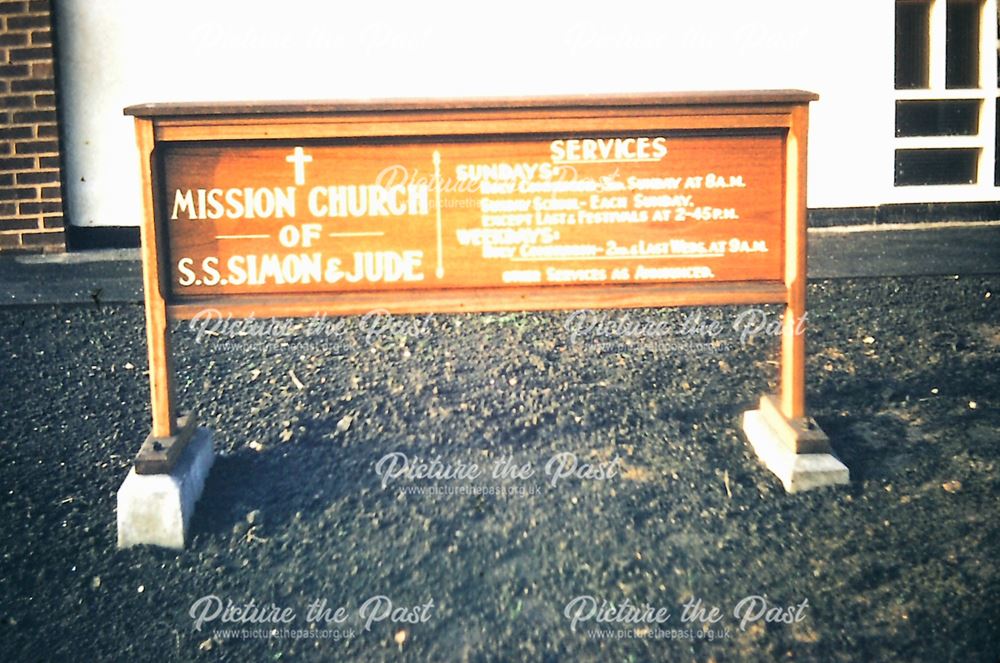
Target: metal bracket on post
[[158, 455]]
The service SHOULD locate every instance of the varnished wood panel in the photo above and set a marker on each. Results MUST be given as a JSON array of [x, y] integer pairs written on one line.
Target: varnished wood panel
[[161, 382], [409, 125], [478, 300], [404, 216]]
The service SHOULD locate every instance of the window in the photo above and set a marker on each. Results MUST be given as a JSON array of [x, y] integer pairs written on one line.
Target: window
[[946, 117], [962, 44], [936, 166], [912, 47], [952, 117]]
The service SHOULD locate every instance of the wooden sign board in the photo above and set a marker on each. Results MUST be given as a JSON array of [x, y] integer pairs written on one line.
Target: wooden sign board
[[326, 216], [285, 209]]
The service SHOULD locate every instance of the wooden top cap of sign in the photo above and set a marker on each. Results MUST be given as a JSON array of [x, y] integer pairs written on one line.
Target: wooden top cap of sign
[[749, 97]]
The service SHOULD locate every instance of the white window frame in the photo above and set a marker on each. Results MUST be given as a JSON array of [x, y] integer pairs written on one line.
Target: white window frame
[[986, 93]]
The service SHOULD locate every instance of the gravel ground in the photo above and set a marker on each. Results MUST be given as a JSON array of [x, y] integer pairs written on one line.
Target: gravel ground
[[904, 376]]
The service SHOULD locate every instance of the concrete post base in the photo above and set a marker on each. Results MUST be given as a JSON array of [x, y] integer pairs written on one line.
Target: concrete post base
[[156, 509], [798, 471]]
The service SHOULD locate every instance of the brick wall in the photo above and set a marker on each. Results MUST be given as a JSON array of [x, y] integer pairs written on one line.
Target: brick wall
[[31, 210]]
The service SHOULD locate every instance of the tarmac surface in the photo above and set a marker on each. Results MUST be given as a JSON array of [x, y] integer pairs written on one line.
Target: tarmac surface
[[315, 423]]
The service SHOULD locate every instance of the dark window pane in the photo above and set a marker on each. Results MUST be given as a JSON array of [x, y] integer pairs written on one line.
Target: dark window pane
[[912, 36], [996, 159], [962, 49], [958, 117], [946, 166]]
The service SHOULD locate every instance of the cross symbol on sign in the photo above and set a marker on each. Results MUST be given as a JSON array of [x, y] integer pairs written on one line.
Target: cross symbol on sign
[[300, 159]]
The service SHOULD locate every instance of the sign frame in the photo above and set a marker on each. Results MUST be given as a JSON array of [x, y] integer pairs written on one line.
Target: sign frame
[[731, 113]]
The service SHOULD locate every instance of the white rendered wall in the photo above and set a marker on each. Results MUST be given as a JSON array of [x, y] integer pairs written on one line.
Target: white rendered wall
[[114, 53]]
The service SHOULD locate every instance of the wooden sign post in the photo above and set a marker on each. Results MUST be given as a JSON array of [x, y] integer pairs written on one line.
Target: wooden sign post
[[301, 209]]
